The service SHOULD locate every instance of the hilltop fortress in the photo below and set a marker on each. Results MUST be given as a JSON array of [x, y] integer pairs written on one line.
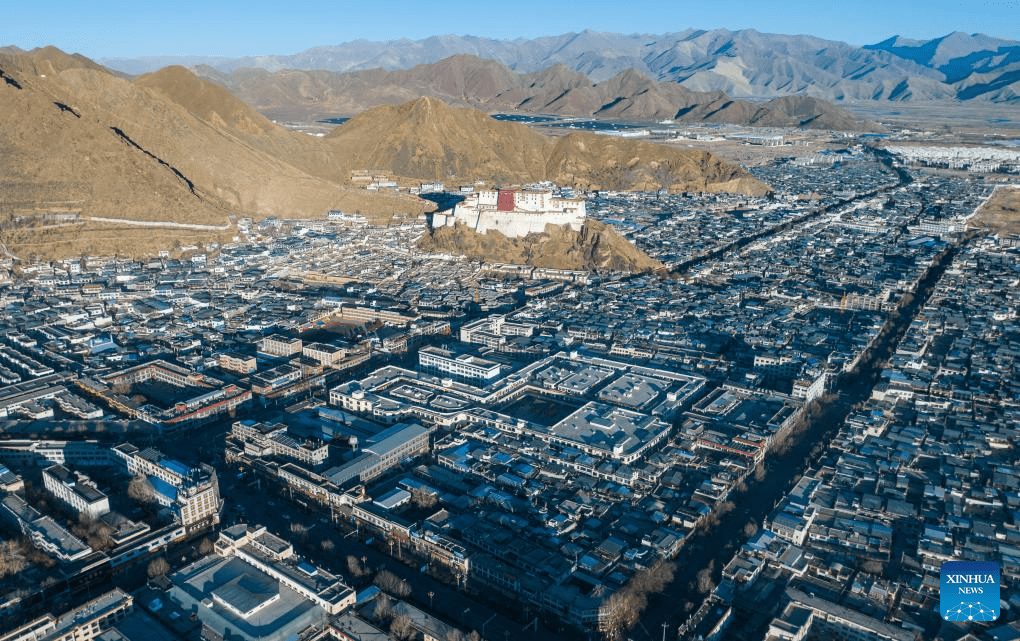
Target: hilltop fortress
[[512, 212]]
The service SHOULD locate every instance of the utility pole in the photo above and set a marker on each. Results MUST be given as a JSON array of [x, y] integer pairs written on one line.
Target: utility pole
[[664, 626]]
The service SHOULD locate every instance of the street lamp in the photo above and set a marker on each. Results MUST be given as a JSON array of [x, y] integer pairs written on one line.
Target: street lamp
[[431, 594], [487, 623]]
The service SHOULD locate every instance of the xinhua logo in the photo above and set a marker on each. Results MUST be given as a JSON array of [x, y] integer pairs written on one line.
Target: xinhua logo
[[969, 591]]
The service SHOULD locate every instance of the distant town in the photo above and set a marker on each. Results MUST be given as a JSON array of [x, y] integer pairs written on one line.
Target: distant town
[[319, 431]]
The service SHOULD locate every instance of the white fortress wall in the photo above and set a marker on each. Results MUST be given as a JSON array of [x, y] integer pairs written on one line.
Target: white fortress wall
[[516, 224]]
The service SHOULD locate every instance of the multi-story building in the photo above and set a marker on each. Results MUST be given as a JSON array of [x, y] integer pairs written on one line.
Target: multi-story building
[[9, 481], [262, 441], [280, 346], [212, 396], [493, 331], [191, 493], [237, 363], [808, 616], [781, 365], [326, 355], [45, 533], [75, 490], [90, 621], [374, 314], [388, 449], [465, 366], [275, 379], [275, 557]]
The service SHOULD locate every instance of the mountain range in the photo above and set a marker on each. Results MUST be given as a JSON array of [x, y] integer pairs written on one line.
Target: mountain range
[[166, 145], [80, 142], [467, 80], [743, 63]]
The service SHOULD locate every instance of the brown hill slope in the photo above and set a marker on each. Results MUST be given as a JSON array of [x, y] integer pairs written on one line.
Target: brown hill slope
[[592, 161], [466, 80], [789, 111], [206, 101], [596, 246], [77, 139], [1001, 213], [427, 139], [239, 122]]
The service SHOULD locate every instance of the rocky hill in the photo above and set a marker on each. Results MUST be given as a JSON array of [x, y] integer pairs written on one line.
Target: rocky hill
[[82, 144], [466, 80], [744, 63], [427, 139], [594, 247], [80, 141]]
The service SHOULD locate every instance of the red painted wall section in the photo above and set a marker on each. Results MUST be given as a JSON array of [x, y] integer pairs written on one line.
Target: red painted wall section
[[505, 200]]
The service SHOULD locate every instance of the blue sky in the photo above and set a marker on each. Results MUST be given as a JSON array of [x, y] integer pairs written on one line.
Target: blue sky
[[229, 28]]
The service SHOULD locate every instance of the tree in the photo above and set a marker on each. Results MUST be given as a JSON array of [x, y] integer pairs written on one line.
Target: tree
[[423, 498], [12, 558], [355, 567], [97, 534], [300, 530], [404, 589], [705, 583], [121, 387], [205, 546], [655, 578], [383, 609], [34, 555], [386, 580], [750, 528], [327, 545], [624, 607], [401, 628], [141, 490], [158, 567], [454, 635], [389, 582]]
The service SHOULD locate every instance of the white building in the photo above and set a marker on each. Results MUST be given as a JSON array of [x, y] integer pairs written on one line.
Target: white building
[[275, 557], [75, 490], [262, 440], [89, 621], [326, 355], [191, 493], [281, 346], [443, 361], [387, 449], [512, 212]]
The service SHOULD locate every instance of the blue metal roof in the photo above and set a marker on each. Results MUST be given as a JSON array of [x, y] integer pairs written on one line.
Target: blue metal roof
[[163, 488]]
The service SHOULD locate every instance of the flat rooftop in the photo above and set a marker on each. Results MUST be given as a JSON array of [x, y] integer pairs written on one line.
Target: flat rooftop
[[632, 390], [615, 430], [246, 589]]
